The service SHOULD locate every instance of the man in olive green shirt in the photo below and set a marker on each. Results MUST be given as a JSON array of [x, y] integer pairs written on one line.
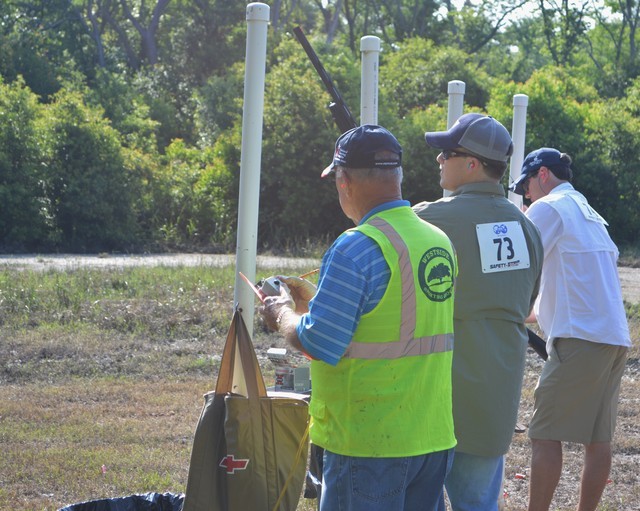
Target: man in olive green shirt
[[500, 259]]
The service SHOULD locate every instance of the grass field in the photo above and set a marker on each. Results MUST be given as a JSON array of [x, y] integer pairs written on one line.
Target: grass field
[[102, 373]]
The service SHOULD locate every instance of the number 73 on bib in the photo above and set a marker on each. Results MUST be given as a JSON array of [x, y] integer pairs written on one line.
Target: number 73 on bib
[[503, 247]]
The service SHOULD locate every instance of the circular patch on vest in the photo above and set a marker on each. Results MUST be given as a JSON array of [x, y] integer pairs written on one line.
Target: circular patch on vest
[[435, 274]]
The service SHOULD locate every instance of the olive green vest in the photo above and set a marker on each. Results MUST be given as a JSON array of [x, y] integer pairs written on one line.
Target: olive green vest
[[390, 394]]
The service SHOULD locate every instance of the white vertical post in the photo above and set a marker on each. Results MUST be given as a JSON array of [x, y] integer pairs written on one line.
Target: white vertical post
[[455, 90], [370, 53], [518, 133], [250, 159]]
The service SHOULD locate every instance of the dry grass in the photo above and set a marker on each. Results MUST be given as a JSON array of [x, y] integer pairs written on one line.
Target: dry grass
[[623, 492], [107, 367]]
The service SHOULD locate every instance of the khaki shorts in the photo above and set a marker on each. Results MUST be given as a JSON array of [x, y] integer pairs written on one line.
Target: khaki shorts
[[576, 399]]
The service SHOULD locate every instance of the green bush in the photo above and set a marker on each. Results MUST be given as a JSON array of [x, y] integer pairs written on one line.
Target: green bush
[[24, 216], [89, 188]]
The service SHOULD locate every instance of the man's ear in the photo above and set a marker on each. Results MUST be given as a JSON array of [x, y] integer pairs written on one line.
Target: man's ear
[[347, 181], [543, 172]]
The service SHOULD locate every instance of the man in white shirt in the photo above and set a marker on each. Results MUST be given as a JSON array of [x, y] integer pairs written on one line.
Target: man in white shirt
[[581, 312]]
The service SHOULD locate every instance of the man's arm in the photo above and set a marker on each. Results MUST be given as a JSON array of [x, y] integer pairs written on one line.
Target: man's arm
[[346, 290], [288, 324]]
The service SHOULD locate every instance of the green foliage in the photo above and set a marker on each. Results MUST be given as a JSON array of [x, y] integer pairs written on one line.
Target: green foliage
[[516, 52], [170, 104], [90, 191], [117, 135], [23, 215], [126, 109], [602, 137], [608, 171], [41, 41], [194, 196], [203, 39], [417, 74], [219, 104], [421, 170], [413, 86], [609, 65], [299, 137], [556, 110]]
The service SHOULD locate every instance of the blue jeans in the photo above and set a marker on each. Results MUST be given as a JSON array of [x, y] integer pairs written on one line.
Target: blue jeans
[[474, 483], [414, 483]]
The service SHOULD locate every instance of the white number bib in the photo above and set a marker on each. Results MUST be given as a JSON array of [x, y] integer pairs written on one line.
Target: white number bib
[[588, 212], [502, 247]]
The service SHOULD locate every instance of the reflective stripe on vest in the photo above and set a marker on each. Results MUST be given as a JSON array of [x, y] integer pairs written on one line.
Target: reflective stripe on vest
[[407, 345], [395, 349]]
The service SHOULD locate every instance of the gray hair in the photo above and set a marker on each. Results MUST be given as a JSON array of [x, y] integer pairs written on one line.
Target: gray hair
[[375, 173]]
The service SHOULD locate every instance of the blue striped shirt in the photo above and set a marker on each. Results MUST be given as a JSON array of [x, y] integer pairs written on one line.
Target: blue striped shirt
[[354, 276]]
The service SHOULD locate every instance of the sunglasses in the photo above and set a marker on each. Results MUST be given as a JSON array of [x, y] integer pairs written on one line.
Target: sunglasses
[[448, 154]]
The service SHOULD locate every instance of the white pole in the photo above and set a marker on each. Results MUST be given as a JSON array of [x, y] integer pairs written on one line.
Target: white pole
[[370, 52], [250, 159], [456, 90], [518, 132]]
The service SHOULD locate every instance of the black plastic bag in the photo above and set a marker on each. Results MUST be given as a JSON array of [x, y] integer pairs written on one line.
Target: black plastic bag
[[143, 502]]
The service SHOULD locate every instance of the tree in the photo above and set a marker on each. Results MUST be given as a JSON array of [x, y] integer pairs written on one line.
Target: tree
[[557, 110], [219, 104], [299, 137], [440, 272], [607, 169], [564, 28], [194, 196], [23, 205], [475, 27], [392, 20], [89, 189], [203, 38], [421, 170], [42, 42], [417, 74], [522, 51]]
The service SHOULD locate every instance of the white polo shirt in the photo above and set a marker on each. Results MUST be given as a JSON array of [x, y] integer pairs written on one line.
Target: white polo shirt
[[580, 294]]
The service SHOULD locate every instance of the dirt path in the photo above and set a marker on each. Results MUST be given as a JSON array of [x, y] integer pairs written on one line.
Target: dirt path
[[69, 261], [630, 281], [629, 277]]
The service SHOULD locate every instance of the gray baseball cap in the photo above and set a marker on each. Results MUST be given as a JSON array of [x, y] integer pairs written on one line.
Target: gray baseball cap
[[480, 134]]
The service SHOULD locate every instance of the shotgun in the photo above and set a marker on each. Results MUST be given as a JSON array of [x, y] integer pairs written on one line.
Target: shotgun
[[339, 109], [538, 344]]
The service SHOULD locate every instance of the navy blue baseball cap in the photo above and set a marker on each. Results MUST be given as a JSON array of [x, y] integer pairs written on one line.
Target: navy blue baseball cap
[[543, 157], [357, 149], [480, 134]]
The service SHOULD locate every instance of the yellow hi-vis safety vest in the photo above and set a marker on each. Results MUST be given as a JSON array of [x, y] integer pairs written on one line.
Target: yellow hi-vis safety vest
[[390, 394]]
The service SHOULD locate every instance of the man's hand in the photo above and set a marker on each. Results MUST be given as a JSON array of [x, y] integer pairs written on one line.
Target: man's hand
[[301, 291], [280, 315], [275, 306]]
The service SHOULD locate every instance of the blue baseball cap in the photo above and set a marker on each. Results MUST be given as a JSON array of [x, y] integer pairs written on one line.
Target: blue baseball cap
[[543, 157], [480, 134], [357, 149]]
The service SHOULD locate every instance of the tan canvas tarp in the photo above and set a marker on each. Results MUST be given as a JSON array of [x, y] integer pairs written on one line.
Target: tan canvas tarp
[[249, 451]]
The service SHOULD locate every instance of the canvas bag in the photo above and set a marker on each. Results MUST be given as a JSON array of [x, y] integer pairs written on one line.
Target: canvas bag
[[249, 451]]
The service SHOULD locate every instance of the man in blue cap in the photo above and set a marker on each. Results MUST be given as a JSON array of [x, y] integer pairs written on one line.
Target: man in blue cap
[[500, 258], [379, 329], [581, 312]]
